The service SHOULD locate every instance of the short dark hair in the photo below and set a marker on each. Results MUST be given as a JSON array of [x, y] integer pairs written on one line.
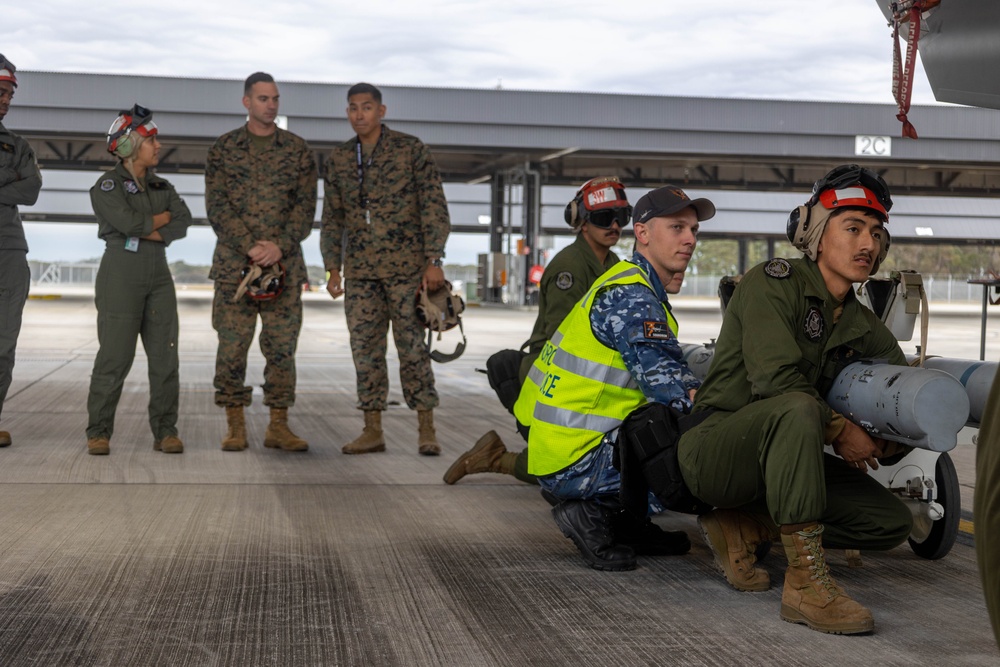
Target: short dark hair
[[256, 77], [362, 88]]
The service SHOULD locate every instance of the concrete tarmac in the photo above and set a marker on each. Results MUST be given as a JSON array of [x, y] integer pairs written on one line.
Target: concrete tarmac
[[265, 557]]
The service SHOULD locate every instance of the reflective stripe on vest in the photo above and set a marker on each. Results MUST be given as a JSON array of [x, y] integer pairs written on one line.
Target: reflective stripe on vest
[[578, 389]]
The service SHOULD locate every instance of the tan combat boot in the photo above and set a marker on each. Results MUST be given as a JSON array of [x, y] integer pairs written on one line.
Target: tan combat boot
[[733, 537], [5, 439], [98, 446], [811, 596], [279, 435], [488, 455], [235, 439], [427, 443], [169, 445], [371, 439]]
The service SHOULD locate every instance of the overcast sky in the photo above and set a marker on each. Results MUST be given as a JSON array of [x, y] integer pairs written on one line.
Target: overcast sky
[[783, 49]]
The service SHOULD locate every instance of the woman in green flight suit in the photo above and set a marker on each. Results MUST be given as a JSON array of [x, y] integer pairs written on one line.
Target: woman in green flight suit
[[138, 215]]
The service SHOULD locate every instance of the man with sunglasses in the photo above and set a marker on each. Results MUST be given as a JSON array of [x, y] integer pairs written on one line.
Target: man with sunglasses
[[598, 213], [20, 182], [614, 352], [758, 453]]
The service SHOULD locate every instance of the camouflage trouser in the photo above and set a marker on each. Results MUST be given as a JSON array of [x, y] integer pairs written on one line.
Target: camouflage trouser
[[281, 320], [592, 476], [370, 306], [135, 297], [15, 277]]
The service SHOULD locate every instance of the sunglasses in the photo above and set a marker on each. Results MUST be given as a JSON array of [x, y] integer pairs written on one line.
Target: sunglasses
[[606, 217]]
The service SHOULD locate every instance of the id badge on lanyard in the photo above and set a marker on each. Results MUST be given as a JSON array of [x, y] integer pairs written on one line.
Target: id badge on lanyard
[[363, 200]]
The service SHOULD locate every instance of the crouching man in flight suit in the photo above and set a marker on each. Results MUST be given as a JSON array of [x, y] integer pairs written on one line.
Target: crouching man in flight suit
[[790, 328], [615, 351], [598, 213]]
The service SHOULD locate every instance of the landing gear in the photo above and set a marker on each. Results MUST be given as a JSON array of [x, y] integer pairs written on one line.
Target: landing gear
[[933, 539]]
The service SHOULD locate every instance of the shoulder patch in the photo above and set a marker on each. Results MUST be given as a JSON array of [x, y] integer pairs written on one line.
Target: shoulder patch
[[131, 187], [107, 185], [564, 280], [657, 330], [778, 268], [814, 324]]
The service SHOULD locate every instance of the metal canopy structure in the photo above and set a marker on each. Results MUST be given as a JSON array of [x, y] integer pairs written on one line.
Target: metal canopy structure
[[710, 143]]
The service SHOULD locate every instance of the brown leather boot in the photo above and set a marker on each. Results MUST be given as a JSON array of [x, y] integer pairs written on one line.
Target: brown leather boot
[[733, 537], [279, 435], [427, 443], [5, 439], [488, 455], [169, 445], [98, 446], [235, 439], [811, 596], [371, 438]]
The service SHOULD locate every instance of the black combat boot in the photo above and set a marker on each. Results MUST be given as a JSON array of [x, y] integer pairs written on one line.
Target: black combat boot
[[588, 524], [646, 538]]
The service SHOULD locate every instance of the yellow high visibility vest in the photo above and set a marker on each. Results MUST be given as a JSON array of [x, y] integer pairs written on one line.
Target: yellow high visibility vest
[[578, 389]]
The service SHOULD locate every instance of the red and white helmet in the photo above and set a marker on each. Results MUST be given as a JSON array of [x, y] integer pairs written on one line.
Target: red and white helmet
[[138, 119], [7, 71]]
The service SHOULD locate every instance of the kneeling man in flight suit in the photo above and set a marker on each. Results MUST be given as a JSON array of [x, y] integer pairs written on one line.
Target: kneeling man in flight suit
[[615, 351], [790, 328]]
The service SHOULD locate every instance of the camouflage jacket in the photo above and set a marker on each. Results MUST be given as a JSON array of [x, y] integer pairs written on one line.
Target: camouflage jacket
[[408, 211], [566, 279], [266, 196], [123, 210], [20, 182]]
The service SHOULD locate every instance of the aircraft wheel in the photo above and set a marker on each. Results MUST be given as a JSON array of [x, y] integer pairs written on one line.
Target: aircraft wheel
[[934, 539]]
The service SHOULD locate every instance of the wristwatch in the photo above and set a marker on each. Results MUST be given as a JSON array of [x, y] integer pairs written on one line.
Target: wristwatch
[[436, 262]]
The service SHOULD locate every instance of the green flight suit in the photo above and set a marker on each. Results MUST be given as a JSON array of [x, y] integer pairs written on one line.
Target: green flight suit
[[779, 350], [566, 279], [20, 183], [135, 296], [986, 509]]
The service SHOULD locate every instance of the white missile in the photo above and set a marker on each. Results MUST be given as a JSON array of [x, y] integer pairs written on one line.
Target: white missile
[[698, 358], [975, 376], [921, 407]]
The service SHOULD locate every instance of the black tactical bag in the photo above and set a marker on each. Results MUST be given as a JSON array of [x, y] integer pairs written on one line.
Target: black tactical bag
[[647, 459]]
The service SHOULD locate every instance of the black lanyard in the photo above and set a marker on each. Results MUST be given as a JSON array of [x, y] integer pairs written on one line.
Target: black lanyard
[[362, 199]]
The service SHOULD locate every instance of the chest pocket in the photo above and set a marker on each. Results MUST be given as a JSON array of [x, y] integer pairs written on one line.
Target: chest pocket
[[8, 155]]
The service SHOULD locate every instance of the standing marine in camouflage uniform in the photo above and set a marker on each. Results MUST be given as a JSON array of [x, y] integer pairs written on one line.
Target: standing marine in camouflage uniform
[[260, 192], [386, 220], [138, 215], [598, 213], [20, 182]]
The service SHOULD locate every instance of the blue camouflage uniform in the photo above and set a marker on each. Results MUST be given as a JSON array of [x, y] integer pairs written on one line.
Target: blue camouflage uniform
[[618, 318]]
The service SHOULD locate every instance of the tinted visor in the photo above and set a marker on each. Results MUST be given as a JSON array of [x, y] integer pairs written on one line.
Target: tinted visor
[[852, 174], [606, 217]]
